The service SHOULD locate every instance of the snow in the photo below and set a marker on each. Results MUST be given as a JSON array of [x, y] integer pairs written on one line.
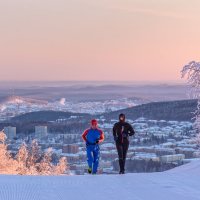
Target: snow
[[178, 184], [107, 145]]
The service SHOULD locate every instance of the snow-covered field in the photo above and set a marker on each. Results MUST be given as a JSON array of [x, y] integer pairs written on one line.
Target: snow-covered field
[[182, 183]]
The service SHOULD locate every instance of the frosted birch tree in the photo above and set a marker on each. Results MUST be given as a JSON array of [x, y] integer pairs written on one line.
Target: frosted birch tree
[[22, 157], [192, 73], [7, 164], [45, 166], [34, 155], [62, 166], [29, 160]]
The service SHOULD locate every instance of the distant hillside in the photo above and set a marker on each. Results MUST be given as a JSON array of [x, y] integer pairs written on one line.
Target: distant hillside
[[46, 116], [170, 110]]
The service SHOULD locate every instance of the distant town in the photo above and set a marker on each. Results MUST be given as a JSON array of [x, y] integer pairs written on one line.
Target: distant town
[[164, 130], [158, 145], [15, 105]]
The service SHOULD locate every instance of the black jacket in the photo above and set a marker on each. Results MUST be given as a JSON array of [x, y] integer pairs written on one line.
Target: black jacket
[[122, 131]]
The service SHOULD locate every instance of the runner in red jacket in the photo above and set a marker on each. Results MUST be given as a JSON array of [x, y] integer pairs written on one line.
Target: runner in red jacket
[[92, 137]]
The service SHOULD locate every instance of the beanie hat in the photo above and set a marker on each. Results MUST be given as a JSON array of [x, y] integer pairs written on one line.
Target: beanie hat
[[94, 122], [122, 116]]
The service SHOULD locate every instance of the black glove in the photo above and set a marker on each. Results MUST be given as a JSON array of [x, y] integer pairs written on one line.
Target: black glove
[[115, 138], [97, 142], [87, 143], [124, 135]]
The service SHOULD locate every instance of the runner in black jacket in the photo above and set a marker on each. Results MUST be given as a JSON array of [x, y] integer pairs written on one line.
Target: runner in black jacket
[[121, 132]]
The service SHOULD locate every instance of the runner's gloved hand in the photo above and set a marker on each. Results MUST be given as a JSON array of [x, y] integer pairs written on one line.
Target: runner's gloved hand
[[87, 143], [97, 142], [115, 138], [124, 135]]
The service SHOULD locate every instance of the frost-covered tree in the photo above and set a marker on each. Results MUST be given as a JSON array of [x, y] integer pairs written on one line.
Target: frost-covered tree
[[198, 139], [2, 137], [192, 73], [7, 164], [62, 166], [45, 166], [34, 155], [22, 157], [29, 160]]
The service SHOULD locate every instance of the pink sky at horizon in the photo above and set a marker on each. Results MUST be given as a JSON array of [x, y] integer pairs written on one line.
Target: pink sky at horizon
[[115, 40]]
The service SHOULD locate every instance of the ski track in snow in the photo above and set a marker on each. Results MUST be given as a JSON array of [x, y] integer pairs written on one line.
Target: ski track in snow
[[178, 184]]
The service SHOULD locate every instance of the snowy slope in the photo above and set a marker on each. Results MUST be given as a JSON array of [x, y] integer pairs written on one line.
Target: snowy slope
[[178, 184]]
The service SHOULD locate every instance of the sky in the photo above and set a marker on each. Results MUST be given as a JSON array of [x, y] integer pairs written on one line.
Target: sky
[[107, 40]]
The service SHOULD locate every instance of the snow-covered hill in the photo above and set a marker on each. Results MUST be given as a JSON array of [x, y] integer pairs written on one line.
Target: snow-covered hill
[[178, 184]]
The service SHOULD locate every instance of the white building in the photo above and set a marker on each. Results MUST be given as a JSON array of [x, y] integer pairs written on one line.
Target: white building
[[41, 131], [10, 132]]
